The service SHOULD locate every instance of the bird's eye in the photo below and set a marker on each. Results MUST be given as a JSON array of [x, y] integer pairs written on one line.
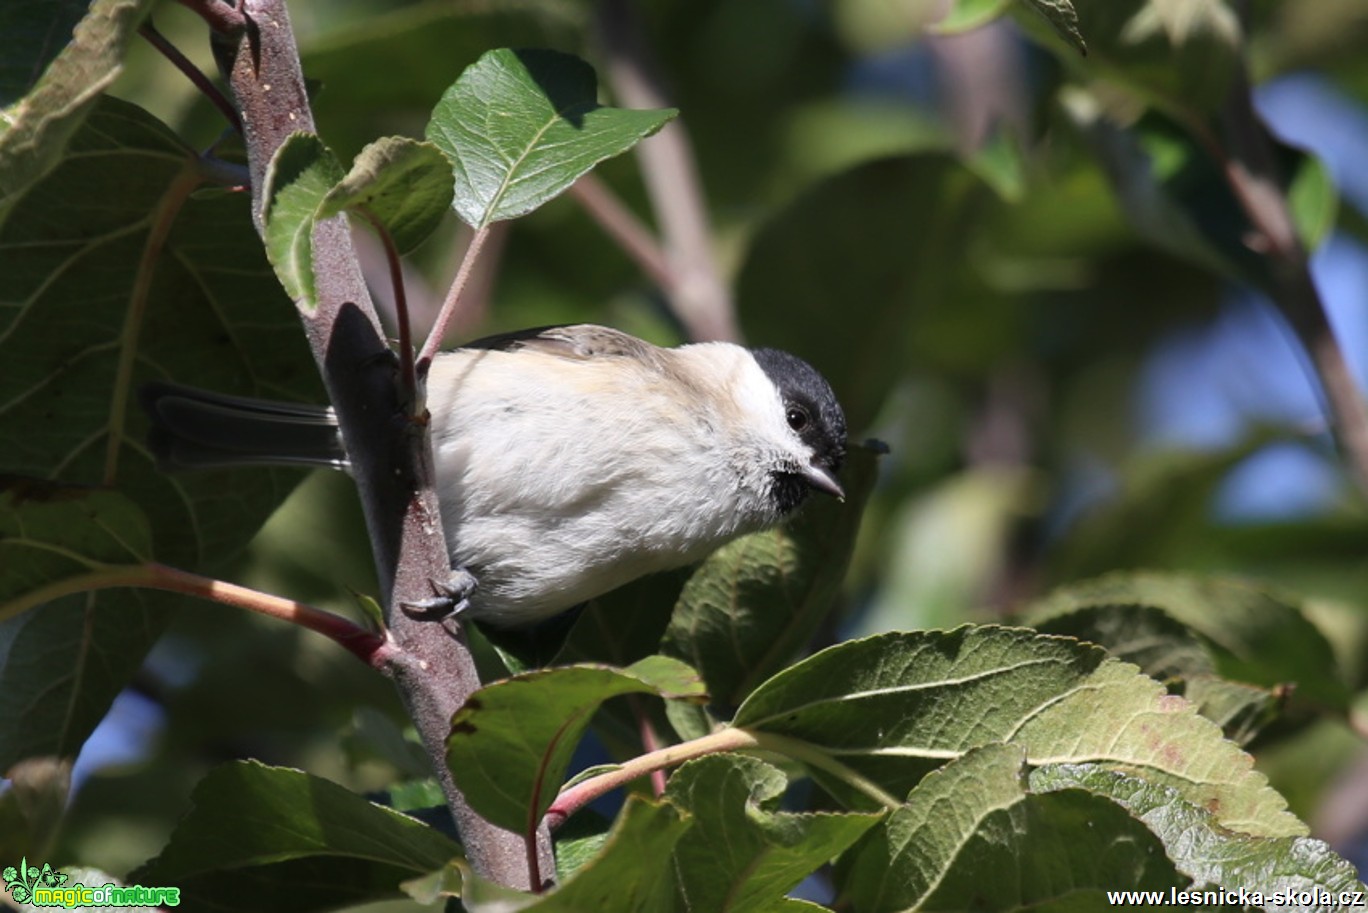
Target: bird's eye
[[797, 418]]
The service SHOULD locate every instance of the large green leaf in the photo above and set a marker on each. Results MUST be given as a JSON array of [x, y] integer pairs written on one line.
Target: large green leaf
[[743, 853], [511, 744], [971, 836], [61, 664], [1167, 650], [1211, 854], [888, 709], [268, 838], [114, 275], [522, 126], [1261, 635], [756, 603]]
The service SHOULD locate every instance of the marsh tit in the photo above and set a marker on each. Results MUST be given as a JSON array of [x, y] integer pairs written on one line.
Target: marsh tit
[[568, 460]]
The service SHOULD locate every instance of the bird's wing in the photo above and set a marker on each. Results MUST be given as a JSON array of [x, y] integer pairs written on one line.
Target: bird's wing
[[579, 341]]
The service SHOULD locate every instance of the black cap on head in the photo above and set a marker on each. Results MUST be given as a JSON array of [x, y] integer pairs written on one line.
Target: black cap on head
[[814, 414]]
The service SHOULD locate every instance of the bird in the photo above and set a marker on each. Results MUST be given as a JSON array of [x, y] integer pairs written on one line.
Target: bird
[[568, 460]]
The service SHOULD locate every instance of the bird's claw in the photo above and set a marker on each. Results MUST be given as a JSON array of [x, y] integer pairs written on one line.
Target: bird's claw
[[450, 598]]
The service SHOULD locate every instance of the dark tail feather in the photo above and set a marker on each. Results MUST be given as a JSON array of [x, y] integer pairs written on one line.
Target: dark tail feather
[[198, 429]]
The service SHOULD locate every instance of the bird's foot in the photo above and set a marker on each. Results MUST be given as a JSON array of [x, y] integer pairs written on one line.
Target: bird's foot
[[450, 598]]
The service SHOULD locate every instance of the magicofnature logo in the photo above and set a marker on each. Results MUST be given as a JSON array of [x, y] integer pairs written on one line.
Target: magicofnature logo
[[47, 887]]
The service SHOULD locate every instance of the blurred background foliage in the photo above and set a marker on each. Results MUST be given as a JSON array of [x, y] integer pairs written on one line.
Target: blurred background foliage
[[929, 220]]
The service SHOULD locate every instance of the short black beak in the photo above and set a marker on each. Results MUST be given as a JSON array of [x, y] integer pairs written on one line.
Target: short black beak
[[823, 480]]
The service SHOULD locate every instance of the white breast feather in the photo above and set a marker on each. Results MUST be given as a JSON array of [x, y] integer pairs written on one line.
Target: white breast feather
[[560, 480]]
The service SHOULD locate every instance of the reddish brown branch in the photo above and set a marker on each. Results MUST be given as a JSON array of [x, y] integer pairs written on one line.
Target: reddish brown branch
[[392, 467]]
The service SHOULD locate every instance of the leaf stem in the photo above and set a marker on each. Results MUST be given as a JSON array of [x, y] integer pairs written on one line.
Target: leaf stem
[[813, 756], [158, 231], [192, 72], [376, 650], [573, 798], [433, 344]]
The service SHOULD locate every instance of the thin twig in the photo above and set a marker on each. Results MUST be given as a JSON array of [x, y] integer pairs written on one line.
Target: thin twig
[[701, 300], [622, 225], [433, 344], [192, 72]]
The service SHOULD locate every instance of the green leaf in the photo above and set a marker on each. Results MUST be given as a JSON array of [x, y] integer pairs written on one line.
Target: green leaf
[[51, 532], [1242, 711], [522, 126], [970, 836], [1062, 17], [888, 709], [756, 603], [269, 838], [742, 853], [38, 129], [80, 329], [1181, 56], [630, 874], [1261, 635], [62, 663], [511, 744], [1170, 652], [399, 183], [1313, 199], [626, 624], [1207, 852], [1163, 647], [303, 172]]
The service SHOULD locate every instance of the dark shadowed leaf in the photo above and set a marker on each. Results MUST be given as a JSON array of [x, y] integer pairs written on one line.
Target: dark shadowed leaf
[[743, 853], [511, 744], [1261, 635], [269, 838], [80, 329]]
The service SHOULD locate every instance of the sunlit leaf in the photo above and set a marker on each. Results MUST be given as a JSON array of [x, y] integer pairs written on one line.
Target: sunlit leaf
[[522, 126]]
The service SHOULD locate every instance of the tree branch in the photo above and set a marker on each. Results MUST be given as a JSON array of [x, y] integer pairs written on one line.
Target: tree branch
[[391, 463], [1250, 169], [701, 300]]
